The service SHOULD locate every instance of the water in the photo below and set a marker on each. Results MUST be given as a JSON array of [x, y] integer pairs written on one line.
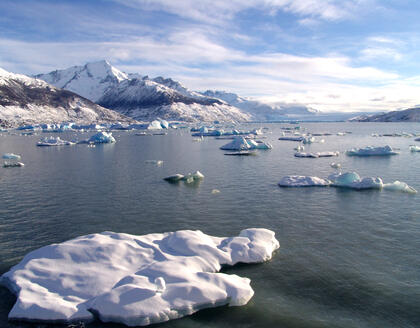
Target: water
[[347, 258]]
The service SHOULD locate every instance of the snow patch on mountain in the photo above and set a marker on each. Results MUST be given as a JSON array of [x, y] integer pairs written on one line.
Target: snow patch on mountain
[[407, 115]]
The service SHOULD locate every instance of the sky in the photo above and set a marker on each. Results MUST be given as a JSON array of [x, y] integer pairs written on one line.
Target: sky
[[332, 55]]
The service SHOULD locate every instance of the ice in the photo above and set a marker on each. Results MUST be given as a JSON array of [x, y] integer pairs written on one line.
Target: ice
[[335, 165], [308, 140], [299, 148], [238, 143], [100, 138], [11, 156], [134, 280], [154, 125], [372, 151], [174, 178], [318, 154], [51, 141], [164, 124], [13, 164], [414, 149], [353, 180], [399, 186], [154, 162], [290, 138], [303, 181]]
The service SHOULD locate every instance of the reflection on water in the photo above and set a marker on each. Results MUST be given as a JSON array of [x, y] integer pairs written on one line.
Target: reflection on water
[[347, 258]]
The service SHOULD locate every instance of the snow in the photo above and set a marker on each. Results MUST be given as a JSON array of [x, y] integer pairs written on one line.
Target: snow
[[303, 181], [134, 280], [372, 151], [11, 156], [51, 141]]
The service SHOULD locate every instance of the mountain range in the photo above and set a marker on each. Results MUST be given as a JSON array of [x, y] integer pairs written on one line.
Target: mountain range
[[26, 100], [406, 115]]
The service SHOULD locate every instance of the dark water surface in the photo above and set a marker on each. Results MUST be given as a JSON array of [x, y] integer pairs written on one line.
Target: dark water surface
[[347, 258]]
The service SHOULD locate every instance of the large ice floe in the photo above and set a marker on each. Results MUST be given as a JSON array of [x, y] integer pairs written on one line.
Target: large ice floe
[[134, 280], [51, 141], [350, 180], [11, 156], [240, 143], [372, 151]]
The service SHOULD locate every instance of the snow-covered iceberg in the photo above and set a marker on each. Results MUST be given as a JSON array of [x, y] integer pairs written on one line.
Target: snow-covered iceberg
[[372, 151], [154, 125], [354, 181], [51, 141], [414, 148], [240, 143], [134, 280], [303, 181], [100, 138]]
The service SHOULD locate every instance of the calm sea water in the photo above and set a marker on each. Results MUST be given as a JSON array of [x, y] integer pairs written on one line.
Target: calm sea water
[[347, 258]]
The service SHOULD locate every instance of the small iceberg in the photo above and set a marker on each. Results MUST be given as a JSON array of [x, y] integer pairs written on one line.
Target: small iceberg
[[13, 164], [11, 156], [354, 181], [154, 162], [240, 143], [335, 165], [303, 181], [100, 138], [174, 178], [188, 178], [308, 140], [318, 154], [134, 280], [414, 149], [372, 151], [399, 186], [51, 141], [154, 125]]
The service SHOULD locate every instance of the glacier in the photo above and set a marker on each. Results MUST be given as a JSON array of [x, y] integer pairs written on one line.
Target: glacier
[[134, 280]]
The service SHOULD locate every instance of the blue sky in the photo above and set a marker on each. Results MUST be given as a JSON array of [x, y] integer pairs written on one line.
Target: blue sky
[[347, 55]]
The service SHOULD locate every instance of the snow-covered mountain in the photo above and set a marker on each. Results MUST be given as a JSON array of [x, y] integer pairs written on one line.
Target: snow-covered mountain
[[140, 97], [407, 115], [26, 100], [260, 110]]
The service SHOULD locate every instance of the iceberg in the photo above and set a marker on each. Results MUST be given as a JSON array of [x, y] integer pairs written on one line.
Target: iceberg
[[372, 151], [308, 140], [335, 165], [238, 143], [134, 280], [414, 149], [100, 138], [51, 141], [174, 178], [13, 164], [399, 186], [11, 156], [352, 180], [154, 125], [303, 181]]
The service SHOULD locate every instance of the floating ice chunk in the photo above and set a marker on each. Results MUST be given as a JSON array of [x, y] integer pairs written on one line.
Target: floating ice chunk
[[300, 148], [292, 138], [372, 151], [259, 144], [100, 138], [154, 125], [239, 143], [11, 156], [414, 149], [303, 181], [198, 175], [353, 180], [174, 178], [13, 164], [335, 165], [399, 186], [154, 162], [215, 191], [135, 280], [308, 140], [318, 154], [51, 141]]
